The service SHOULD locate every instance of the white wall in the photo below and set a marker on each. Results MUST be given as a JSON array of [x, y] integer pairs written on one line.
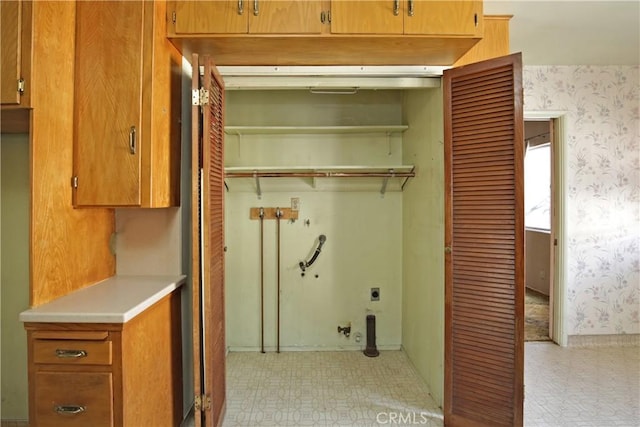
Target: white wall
[[14, 289], [363, 250], [602, 190], [423, 238], [363, 229]]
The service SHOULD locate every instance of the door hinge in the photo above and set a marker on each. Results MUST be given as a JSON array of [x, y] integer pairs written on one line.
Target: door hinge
[[199, 400], [173, 16], [74, 181], [21, 85], [199, 97]]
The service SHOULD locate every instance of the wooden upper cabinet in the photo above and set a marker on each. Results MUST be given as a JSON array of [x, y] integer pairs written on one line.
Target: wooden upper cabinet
[[416, 17], [285, 17], [246, 16], [127, 101], [210, 17], [455, 18], [15, 50], [367, 16]]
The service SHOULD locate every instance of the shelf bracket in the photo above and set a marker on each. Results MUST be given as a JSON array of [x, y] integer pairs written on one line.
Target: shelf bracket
[[258, 189], [385, 181], [411, 173]]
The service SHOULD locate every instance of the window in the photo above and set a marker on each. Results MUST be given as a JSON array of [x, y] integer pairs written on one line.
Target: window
[[537, 187]]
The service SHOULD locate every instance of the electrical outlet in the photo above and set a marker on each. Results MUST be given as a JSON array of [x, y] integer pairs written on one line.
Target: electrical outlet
[[375, 294], [295, 203]]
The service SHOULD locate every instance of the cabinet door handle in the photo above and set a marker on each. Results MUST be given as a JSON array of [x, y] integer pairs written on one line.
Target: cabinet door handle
[[256, 8], [410, 7], [70, 354], [132, 140], [69, 409], [240, 7], [396, 7]]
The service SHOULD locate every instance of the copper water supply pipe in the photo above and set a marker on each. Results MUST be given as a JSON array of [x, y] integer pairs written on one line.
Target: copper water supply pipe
[[261, 280], [278, 215]]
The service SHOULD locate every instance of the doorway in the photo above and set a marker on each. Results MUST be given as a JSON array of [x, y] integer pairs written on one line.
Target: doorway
[[538, 161], [555, 122]]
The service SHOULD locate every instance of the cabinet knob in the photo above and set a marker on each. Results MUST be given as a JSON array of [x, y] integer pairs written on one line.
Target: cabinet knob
[[410, 8], [240, 7], [256, 8], [396, 7], [69, 409]]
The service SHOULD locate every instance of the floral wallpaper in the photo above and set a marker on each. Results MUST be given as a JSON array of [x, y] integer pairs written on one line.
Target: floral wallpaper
[[602, 189]]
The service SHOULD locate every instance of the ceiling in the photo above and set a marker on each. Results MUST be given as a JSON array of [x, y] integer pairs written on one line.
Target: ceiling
[[572, 32]]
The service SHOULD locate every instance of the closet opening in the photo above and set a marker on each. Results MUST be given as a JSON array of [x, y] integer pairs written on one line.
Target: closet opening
[[365, 171]]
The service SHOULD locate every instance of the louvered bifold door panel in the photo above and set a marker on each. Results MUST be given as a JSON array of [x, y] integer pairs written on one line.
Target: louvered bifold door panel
[[213, 231], [196, 248], [485, 244]]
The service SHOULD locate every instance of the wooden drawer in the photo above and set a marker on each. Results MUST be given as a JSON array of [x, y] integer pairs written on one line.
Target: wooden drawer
[[72, 352], [89, 393]]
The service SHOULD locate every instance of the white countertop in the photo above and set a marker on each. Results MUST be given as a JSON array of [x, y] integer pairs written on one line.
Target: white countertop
[[117, 299]]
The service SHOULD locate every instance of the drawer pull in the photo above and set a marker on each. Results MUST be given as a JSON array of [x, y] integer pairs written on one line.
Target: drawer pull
[[69, 409], [70, 354]]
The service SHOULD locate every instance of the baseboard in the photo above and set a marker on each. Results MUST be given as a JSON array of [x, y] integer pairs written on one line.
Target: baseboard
[[623, 340], [239, 349]]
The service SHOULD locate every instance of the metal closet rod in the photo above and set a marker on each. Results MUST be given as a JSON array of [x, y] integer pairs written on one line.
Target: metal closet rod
[[410, 174]]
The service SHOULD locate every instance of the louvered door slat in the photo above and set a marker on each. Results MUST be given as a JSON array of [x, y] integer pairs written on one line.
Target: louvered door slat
[[495, 334], [484, 228], [480, 120]]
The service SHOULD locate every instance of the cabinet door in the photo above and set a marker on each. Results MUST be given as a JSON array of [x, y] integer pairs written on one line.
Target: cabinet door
[[210, 17], [108, 103], [459, 18], [285, 17], [367, 16], [10, 50]]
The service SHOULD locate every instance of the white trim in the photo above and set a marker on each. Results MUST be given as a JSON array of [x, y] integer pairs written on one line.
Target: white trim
[[350, 84], [560, 270], [534, 115], [342, 70]]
